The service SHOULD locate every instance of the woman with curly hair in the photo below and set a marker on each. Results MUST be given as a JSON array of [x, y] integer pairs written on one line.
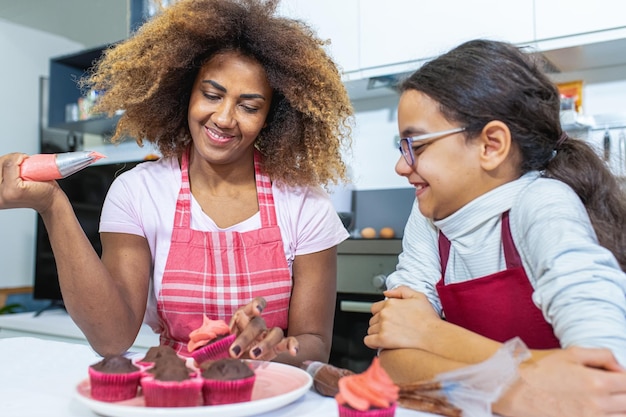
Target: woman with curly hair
[[250, 116]]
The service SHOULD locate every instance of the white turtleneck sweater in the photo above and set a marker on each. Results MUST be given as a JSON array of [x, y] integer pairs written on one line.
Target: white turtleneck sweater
[[578, 284]]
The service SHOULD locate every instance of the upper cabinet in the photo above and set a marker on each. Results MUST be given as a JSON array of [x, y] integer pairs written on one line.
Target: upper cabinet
[[398, 32], [332, 20], [564, 18], [370, 38]]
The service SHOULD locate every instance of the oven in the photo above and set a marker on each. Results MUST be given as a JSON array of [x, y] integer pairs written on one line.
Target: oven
[[362, 267]]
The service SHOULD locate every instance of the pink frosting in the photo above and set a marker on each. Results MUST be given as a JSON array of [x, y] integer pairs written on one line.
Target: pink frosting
[[209, 331], [370, 389]]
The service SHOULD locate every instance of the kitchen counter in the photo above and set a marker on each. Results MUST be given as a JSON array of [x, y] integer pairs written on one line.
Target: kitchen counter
[[40, 378], [58, 325], [370, 246]]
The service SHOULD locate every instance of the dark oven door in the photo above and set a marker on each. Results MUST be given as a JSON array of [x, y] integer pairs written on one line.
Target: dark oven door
[[352, 316], [362, 267]]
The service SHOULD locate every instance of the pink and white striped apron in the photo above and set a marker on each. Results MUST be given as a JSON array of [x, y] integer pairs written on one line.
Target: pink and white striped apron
[[215, 273]]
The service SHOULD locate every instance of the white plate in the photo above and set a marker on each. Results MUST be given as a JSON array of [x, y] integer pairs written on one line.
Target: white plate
[[276, 385]]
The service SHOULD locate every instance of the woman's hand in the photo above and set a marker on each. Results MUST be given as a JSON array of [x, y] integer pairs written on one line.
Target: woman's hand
[[17, 193], [573, 382], [254, 339], [404, 320]]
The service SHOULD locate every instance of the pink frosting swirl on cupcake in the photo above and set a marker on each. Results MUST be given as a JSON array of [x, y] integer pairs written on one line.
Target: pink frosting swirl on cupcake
[[209, 331], [370, 389]]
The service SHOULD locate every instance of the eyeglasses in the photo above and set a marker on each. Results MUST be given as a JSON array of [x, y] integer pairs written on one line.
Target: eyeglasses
[[411, 145]]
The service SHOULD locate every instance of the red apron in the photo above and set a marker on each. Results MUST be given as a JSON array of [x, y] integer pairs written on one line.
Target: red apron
[[215, 273], [498, 306]]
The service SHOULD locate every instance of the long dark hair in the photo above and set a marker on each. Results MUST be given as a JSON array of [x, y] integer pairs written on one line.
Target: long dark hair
[[482, 80]]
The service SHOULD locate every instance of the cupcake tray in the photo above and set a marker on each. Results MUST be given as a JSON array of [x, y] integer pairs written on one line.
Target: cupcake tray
[[276, 385]]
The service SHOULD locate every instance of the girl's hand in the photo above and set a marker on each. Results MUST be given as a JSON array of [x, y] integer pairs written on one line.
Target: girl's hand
[[574, 382], [254, 339], [404, 320]]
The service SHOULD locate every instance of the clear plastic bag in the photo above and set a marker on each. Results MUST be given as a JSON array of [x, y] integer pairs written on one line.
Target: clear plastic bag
[[468, 391]]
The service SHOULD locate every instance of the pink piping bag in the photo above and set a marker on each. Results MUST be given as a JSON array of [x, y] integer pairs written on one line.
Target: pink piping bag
[[46, 167]]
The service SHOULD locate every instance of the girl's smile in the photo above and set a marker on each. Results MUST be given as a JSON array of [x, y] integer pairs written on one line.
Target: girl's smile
[[445, 166]]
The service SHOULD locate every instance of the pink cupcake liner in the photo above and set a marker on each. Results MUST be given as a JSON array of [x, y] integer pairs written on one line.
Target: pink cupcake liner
[[187, 393], [214, 351], [346, 411], [113, 387], [215, 392]]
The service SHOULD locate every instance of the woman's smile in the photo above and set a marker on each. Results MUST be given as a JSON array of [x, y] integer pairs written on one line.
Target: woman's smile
[[218, 137], [229, 103]]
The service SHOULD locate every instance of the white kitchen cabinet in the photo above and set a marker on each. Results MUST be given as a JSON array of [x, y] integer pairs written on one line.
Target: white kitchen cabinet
[[565, 18], [396, 32], [337, 21]]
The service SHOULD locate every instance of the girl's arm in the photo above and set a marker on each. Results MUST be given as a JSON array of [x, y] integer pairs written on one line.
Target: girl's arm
[[574, 382], [406, 319], [410, 365]]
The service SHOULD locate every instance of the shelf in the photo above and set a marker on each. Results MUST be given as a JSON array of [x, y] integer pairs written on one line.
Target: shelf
[[104, 126], [65, 72]]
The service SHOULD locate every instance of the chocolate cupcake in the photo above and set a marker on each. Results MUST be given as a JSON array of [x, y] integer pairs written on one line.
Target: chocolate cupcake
[[114, 378], [155, 353], [169, 383], [227, 381]]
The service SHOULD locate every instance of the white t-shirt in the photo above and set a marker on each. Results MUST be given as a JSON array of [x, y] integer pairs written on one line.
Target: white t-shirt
[[142, 202]]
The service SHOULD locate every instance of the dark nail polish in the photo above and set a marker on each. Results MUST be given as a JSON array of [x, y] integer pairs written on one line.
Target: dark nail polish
[[256, 352], [260, 308], [236, 350]]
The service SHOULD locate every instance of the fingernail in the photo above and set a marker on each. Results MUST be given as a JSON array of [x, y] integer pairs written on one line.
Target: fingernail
[[256, 352], [236, 350], [260, 308]]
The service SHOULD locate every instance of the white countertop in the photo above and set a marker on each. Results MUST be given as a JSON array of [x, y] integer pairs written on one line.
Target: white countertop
[[39, 378], [57, 325]]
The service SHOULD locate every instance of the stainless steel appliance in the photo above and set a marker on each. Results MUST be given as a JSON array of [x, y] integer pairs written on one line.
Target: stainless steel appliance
[[362, 266]]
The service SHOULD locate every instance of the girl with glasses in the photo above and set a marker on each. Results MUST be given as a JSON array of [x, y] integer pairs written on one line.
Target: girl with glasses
[[517, 231]]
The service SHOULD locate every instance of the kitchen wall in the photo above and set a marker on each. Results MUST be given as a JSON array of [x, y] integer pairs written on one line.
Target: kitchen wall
[[375, 153], [25, 58], [26, 53]]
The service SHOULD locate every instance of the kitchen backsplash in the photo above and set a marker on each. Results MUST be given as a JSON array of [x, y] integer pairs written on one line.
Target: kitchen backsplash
[[382, 208]]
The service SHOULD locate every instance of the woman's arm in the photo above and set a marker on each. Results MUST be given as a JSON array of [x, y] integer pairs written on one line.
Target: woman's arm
[[312, 306], [106, 299]]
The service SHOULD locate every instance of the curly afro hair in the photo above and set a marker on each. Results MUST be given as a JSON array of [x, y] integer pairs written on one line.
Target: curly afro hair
[[150, 75]]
